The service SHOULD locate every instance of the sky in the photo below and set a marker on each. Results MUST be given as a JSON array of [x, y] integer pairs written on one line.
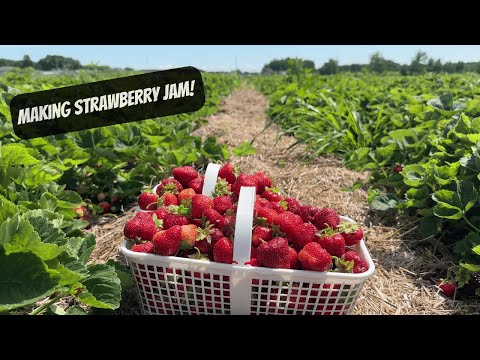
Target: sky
[[249, 58]]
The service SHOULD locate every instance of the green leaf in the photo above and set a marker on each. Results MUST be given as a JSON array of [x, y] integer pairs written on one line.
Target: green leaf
[[126, 279], [75, 310], [447, 211], [81, 247], [47, 231], [48, 201], [16, 154], [7, 209], [69, 199], [102, 288], [413, 175], [476, 249], [244, 149], [430, 226], [24, 279], [471, 267], [384, 202], [467, 194]]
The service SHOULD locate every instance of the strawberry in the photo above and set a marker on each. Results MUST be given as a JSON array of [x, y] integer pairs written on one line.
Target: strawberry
[[146, 247], [293, 259], [168, 199], [261, 202], [204, 246], [130, 231], [184, 174], [213, 217], [253, 262], [307, 213], [244, 180], [144, 215], [227, 226], [105, 206], [326, 217], [293, 205], [197, 184], [170, 185], [228, 173], [253, 252], [359, 264], [189, 234], [263, 181], [146, 229], [314, 257], [223, 251], [222, 204], [302, 234], [287, 221], [147, 201], [161, 213], [171, 220], [448, 287], [167, 242], [260, 233], [185, 195], [200, 203], [269, 214], [215, 235], [351, 233], [398, 168], [277, 207], [271, 196], [333, 243], [274, 254], [80, 211], [222, 188]]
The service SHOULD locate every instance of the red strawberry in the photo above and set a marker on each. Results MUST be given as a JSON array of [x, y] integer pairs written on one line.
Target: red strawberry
[[197, 184], [168, 199], [185, 174], [146, 247], [131, 229], [227, 226], [200, 203], [314, 257], [105, 206], [144, 215], [189, 234], [307, 213], [293, 259], [223, 251], [268, 214], [244, 180], [293, 205], [261, 202], [448, 287], [171, 220], [80, 211], [263, 181], [185, 195], [359, 264], [146, 229], [277, 207], [213, 217], [334, 244], [170, 185], [271, 196], [326, 218], [227, 172], [215, 235], [161, 213], [398, 169], [147, 201], [167, 242], [253, 252], [222, 204], [204, 246], [253, 262], [351, 233], [274, 254], [302, 234], [287, 221], [260, 233]]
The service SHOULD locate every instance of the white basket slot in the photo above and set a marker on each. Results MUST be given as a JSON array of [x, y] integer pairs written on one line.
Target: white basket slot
[[210, 181]]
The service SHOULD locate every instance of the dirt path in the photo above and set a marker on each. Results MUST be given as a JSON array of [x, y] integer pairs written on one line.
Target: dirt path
[[402, 282]]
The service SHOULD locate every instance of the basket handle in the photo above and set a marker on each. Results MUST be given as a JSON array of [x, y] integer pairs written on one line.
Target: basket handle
[[210, 180], [244, 225]]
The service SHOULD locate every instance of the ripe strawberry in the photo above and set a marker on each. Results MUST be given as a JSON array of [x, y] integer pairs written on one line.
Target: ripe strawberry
[[170, 185], [80, 211], [277, 207], [253, 252], [334, 244], [326, 218], [253, 262], [161, 213], [261, 202], [144, 215], [287, 221], [274, 254], [146, 247], [146, 229], [204, 246], [189, 234], [228, 173], [227, 226], [244, 180], [185, 174], [302, 234], [268, 214], [105, 206], [147, 201], [263, 181], [130, 231], [398, 168], [314, 257], [185, 195], [448, 287], [351, 233], [171, 220], [307, 213], [200, 203], [260, 233], [197, 184], [222, 204], [167, 242], [293, 259], [271, 196], [222, 188], [213, 217], [168, 199], [293, 205], [215, 235], [223, 251], [359, 264]]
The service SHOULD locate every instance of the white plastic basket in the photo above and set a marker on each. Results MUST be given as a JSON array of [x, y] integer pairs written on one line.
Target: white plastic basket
[[171, 285]]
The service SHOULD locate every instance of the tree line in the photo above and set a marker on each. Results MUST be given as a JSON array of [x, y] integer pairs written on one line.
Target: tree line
[[420, 64], [50, 62]]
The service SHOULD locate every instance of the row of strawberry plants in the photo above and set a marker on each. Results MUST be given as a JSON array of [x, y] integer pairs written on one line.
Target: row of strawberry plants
[[419, 137]]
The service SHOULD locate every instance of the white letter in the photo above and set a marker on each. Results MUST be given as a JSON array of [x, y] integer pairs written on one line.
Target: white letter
[[43, 112], [86, 106], [93, 104], [23, 116], [103, 103], [113, 101], [130, 97], [183, 89], [166, 92], [78, 106], [55, 113], [34, 114], [123, 99], [66, 110], [146, 94], [138, 97]]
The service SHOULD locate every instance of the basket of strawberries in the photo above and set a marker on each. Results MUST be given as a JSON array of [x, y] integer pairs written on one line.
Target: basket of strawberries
[[224, 243]]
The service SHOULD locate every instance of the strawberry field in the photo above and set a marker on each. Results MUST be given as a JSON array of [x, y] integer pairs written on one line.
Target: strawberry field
[[398, 154]]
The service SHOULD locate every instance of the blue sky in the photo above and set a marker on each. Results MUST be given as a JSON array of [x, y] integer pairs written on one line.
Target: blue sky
[[229, 57]]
